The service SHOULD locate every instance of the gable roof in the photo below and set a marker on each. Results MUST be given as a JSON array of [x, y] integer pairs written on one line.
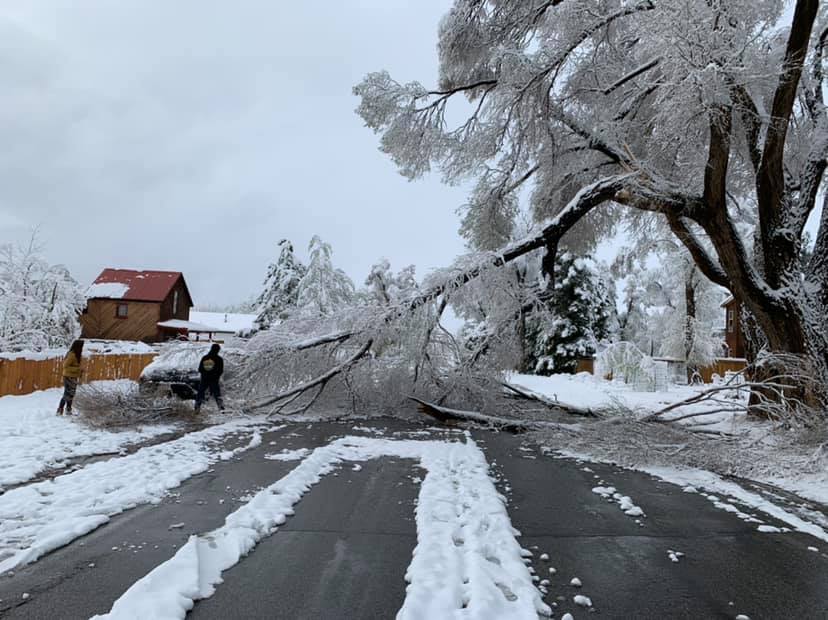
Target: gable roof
[[131, 285]]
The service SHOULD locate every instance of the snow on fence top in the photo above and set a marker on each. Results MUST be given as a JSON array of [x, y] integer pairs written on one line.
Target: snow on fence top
[[90, 347]]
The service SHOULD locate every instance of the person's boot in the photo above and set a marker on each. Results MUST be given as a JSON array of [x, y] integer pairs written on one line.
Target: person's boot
[[60, 411]]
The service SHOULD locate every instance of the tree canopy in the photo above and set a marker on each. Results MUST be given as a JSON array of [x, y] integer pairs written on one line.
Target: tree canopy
[[708, 115]]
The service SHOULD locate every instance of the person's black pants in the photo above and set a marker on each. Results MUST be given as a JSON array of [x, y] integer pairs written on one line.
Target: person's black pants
[[215, 390]]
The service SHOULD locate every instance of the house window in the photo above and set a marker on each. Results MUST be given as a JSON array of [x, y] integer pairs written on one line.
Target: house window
[[731, 319], [175, 302], [122, 311]]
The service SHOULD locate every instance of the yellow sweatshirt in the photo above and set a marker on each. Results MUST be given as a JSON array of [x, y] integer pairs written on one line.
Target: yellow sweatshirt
[[71, 366]]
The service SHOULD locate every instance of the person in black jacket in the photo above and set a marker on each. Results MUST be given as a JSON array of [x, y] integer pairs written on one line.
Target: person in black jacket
[[210, 368]]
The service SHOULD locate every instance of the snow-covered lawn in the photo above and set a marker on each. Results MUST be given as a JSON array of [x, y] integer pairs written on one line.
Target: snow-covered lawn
[[588, 391], [33, 438]]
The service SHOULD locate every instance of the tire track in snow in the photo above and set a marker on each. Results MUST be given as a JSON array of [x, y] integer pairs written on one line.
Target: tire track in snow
[[466, 564]]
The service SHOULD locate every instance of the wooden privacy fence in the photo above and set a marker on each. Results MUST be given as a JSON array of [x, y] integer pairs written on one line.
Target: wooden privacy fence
[[24, 376]]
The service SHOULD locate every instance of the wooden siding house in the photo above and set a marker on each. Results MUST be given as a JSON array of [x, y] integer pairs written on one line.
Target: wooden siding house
[[123, 304], [734, 336]]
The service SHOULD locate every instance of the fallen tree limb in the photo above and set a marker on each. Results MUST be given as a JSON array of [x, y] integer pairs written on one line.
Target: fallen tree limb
[[446, 414], [320, 380], [548, 235], [552, 404]]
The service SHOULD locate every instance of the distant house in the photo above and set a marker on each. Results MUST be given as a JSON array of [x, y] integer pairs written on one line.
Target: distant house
[[734, 336], [123, 304], [232, 323]]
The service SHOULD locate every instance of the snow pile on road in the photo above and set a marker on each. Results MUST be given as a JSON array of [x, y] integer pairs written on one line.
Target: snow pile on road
[[33, 438], [288, 455], [43, 516], [255, 442], [466, 556], [624, 502]]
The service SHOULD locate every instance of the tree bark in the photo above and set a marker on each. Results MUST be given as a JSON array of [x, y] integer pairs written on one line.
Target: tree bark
[[689, 314]]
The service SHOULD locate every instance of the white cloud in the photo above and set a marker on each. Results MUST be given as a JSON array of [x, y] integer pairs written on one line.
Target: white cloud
[[195, 135]]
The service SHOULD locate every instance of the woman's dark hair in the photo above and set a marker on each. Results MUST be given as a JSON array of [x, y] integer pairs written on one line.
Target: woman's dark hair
[[77, 348]]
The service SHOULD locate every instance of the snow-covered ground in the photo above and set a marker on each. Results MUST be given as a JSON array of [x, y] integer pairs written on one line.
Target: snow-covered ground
[[33, 438], [466, 556], [591, 392], [783, 468], [42, 516]]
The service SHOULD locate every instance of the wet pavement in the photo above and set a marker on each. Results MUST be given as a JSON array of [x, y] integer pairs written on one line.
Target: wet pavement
[[345, 551]]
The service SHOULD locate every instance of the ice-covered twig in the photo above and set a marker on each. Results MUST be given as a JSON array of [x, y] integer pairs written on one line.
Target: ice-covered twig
[[320, 380]]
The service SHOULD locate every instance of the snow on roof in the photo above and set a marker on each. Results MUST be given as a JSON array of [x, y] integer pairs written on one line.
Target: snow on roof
[[727, 300], [131, 285], [192, 326], [230, 322], [107, 290]]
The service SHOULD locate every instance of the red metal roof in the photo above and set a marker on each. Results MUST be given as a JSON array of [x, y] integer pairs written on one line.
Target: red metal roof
[[142, 285]]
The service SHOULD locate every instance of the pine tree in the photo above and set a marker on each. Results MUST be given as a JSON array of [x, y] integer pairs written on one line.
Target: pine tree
[[576, 319], [281, 286], [385, 288], [323, 289]]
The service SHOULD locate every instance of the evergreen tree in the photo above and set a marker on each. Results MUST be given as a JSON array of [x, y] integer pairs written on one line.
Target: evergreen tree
[[385, 288], [281, 286], [323, 289], [576, 319]]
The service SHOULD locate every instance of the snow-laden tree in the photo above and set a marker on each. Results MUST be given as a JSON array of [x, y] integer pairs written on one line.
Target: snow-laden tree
[[575, 318], [670, 308], [385, 288], [39, 303], [708, 114], [323, 288], [686, 329], [281, 286]]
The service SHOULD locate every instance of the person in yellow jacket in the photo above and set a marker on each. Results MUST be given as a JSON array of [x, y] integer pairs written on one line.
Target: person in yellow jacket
[[71, 375]]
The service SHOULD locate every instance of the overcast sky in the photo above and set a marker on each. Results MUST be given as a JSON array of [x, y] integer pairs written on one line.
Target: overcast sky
[[193, 136]]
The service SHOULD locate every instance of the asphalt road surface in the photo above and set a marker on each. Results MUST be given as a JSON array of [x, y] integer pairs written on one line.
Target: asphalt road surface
[[344, 553]]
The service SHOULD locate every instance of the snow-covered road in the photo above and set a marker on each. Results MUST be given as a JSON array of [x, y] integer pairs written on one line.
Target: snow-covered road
[[379, 506]]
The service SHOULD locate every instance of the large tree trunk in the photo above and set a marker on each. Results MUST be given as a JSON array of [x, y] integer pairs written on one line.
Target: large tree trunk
[[689, 315]]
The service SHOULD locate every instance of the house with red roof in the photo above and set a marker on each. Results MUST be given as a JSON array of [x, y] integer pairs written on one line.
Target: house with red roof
[[147, 306]]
